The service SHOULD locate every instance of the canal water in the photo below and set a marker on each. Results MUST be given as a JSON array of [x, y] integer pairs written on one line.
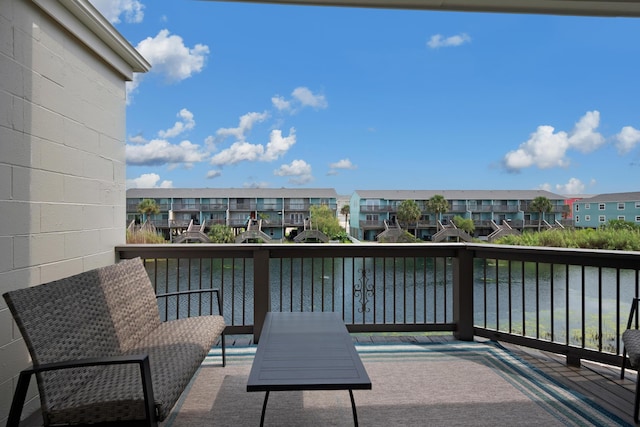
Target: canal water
[[537, 300]]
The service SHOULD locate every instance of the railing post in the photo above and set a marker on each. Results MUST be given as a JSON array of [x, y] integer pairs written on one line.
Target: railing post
[[463, 294], [261, 291]]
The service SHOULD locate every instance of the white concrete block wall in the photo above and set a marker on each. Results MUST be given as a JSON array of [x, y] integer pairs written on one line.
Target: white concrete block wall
[[62, 158]]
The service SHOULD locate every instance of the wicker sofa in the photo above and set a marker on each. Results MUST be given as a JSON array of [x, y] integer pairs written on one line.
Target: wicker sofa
[[100, 352]]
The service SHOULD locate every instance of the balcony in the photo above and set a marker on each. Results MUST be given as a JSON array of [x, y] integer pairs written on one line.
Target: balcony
[[569, 306], [213, 207], [573, 302], [297, 207], [371, 224], [377, 208]]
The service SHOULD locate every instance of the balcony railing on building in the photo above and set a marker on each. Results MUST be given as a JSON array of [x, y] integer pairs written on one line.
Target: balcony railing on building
[[572, 302]]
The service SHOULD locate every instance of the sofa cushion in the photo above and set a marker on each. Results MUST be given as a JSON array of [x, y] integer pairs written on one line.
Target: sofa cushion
[[176, 350], [131, 300]]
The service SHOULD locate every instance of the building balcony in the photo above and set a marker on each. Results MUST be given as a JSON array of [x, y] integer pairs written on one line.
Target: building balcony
[[248, 206], [377, 208], [296, 207], [371, 224], [213, 207], [568, 304]]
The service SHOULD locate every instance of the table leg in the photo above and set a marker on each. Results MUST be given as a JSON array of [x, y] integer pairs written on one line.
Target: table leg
[[353, 408], [264, 408]]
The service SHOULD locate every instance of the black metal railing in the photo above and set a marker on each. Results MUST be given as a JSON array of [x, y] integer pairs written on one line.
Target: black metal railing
[[572, 302]]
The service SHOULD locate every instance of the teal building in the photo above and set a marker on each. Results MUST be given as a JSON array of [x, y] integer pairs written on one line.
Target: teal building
[[492, 211], [598, 210]]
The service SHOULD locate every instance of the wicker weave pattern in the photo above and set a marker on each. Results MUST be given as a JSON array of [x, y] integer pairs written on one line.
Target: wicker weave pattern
[[175, 350], [131, 301], [631, 339], [107, 312]]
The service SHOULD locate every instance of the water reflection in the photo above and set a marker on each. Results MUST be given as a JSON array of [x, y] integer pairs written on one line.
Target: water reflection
[[538, 300]]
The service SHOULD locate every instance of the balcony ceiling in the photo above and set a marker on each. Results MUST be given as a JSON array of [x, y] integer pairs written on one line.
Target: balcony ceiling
[[624, 8]]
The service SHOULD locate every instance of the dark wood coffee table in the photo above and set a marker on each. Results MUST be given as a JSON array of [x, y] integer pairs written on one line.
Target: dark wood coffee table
[[306, 351]]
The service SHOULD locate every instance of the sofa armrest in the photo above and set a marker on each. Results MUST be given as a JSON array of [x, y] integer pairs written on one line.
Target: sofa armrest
[[25, 377], [195, 291]]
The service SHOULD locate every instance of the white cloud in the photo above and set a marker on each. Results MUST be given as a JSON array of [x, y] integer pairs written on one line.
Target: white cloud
[[343, 164], [301, 97], [299, 172], [179, 127], [160, 152], [132, 86], [340, 164], [244, 126], [112, 9], [138, 139], [438, 40], [280, 103], [148, 180], [627, 139], [584, 138], [244, 151], [238, 152], [210, 143], [574, 186], [544, 149], [214, 173], [306, 98], [547, 149], [261, 184], [171, 58], [278, 145]]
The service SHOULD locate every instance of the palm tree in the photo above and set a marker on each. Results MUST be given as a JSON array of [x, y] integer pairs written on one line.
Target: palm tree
[[408, 211], [148, 207], [346, 210], [438, 205], [541, 205]]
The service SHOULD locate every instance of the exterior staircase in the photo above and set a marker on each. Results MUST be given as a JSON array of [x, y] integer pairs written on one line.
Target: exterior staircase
[[310, 234], [450, 230], [501, 230], [253, 232], [194, 233], [391, 233]]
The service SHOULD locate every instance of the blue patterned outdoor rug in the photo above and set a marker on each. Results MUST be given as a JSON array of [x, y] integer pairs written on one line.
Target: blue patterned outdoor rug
[[432, 384]]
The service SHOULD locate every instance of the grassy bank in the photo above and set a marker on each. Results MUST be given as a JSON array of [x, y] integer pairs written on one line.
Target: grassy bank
[[611, 238]]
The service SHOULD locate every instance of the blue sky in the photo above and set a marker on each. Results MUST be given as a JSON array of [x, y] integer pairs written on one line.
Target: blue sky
[[248, 95]]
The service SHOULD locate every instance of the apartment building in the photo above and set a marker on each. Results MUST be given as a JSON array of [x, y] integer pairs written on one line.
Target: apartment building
[[373, 211], [276, 211], [598, 210]]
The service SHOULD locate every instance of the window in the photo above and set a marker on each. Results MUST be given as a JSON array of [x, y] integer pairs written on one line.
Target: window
[[621, 218], [296, 204], [637, 205], [577, 219], [620, 206], [638, 218], [602, 206], [296, 218], [587, 205], [602, 218], [587, 218], [577, 207]]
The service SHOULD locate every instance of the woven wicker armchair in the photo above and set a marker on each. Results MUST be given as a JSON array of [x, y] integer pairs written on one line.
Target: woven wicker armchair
[[100, 352], [631, 341]]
